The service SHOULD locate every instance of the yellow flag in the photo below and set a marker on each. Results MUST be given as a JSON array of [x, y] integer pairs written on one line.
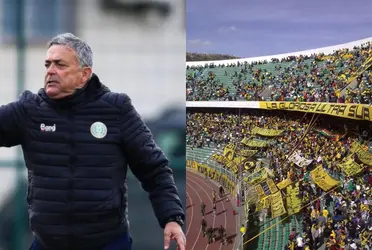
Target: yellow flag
[[277, 205], [229, 151], [293, 201], [322, 179]]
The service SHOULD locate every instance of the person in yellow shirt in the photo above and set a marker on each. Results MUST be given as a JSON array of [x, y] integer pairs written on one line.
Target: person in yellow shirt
[[338, 156], [313, 213], [242, 230], [325, 214], [333, 235], [214, 196], [342, 244], [364, 239]]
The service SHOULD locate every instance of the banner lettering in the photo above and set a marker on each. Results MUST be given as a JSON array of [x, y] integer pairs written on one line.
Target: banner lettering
[[322, 179], [284, 183], [293, 201], [229, 151], [350, 167], [226, 162], [277, 205], [266, 132], [254, 143], [363, 155], [247, 152], [214, 174], [345, 110], [300, 161]]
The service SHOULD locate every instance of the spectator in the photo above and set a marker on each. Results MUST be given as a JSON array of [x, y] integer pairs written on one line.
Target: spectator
[[310, 78]]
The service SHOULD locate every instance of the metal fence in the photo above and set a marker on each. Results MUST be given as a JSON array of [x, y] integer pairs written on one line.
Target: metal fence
[[139, 51], [211, 163]]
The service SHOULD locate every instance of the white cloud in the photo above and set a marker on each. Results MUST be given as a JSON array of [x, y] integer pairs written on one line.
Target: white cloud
[[199, 42], [227, 29]]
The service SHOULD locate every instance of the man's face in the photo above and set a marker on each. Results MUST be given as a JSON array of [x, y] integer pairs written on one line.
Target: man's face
[[63, 72]]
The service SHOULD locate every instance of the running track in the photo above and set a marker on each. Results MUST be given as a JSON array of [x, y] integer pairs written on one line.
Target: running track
[[198, 189]]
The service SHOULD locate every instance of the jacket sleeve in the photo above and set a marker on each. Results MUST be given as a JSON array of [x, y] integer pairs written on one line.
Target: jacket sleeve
[[11, 122], [149, 164]]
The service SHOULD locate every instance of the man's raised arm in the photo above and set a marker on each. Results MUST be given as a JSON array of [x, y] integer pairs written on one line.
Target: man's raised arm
[[12, 125]]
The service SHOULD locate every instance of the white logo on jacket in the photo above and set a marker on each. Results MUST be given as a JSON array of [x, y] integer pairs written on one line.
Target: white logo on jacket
[[98, 130], [45, 128]]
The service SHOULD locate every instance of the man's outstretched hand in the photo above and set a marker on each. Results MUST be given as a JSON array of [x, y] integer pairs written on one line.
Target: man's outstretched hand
[[173, 231]]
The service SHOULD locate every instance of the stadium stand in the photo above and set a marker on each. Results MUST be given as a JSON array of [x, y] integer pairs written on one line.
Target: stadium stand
[[305, 166], [340, 76]]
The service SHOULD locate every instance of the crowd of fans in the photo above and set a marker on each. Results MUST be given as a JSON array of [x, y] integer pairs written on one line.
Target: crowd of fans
[[340, 219], [314, 78]]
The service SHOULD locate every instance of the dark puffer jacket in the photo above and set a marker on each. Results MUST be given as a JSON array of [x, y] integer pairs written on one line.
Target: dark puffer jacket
[[77, 194]]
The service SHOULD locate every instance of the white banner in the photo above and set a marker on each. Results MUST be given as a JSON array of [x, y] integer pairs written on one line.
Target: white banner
[[300, 161]]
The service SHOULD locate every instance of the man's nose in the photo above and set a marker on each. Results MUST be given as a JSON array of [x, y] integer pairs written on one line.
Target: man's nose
[[51, 70]]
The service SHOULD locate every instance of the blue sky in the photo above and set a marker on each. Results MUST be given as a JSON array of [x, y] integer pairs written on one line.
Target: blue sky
[[249, 28]]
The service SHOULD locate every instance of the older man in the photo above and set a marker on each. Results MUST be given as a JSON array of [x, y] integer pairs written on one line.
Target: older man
[[78, 138]]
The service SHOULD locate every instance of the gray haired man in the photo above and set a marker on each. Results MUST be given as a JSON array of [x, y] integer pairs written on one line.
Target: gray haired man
[[78, 138]]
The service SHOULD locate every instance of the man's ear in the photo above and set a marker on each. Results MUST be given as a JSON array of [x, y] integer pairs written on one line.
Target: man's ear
[[87, 72]]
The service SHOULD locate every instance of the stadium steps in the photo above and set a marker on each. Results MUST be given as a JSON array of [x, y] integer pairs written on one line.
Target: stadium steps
[[278, 241], [286, 229], [271, 238], [194, 154], [266, 236], [190, 72], [260, 243], [353, 85], [228, 79], [261, 238], [203, 72], [266, 93], [270, 67], [298, 222], [275, 238], [200, 155], [285, 234]]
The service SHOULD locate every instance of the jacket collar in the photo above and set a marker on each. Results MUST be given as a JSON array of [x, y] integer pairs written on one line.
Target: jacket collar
[[92, 90]]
